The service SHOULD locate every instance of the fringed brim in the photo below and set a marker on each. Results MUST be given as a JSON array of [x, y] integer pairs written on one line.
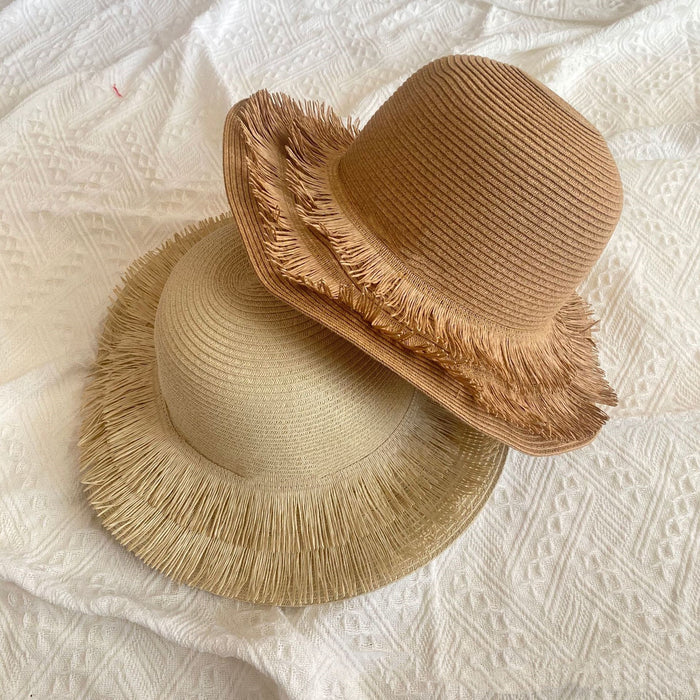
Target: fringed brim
[[538, 393], [210, 528]]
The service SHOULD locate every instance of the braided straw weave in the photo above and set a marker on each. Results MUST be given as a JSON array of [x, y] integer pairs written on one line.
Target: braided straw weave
[[446, 238], [238, 446]]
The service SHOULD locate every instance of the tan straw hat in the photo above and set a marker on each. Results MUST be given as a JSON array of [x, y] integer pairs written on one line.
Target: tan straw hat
[[446, 238], [238, 446]]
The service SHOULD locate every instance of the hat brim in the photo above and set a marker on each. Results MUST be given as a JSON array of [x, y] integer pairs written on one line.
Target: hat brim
[[206, 526], [430, 377]]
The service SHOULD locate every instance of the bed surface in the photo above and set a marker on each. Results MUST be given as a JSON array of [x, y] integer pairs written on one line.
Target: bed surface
[[579, 577]]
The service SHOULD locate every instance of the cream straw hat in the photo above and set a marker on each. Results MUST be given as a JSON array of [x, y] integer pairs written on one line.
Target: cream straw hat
[[446, 238], [238, 446]]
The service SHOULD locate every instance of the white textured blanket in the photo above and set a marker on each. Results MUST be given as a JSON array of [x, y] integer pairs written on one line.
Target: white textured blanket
[[581, 575]]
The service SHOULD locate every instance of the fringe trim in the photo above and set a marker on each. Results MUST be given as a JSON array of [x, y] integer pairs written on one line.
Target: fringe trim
[[264, 117], [203, 525], [531, 409], [547, 383]]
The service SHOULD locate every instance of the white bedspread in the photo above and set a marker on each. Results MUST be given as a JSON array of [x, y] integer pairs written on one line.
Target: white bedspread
[[579, 578]]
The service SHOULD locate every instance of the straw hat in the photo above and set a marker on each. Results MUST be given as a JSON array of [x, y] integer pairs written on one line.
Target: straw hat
[[238, 446], [446, 238]]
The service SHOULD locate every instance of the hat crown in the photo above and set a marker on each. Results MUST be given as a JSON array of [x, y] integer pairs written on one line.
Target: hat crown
[[486, 186], [258, 388]]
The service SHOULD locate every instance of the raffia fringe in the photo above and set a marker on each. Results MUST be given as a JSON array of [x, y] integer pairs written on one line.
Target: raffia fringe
[[548, 382], [203, 525]]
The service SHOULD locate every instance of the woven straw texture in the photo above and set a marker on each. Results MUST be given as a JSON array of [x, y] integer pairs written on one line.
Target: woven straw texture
[[446, 238], [240, 447]]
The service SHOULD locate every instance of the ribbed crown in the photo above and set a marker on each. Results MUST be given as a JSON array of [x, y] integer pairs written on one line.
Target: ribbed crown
[[487, 186], [255, 386]]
